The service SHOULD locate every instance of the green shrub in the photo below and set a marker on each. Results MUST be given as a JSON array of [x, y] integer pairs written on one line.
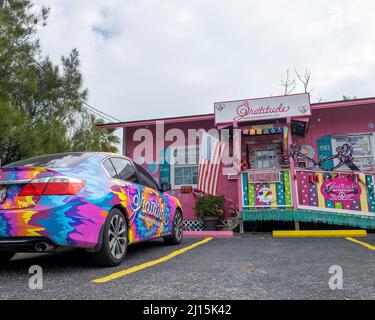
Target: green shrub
[[209, 206]]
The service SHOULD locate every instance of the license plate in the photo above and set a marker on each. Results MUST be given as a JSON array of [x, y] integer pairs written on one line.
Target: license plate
[[3, 194]]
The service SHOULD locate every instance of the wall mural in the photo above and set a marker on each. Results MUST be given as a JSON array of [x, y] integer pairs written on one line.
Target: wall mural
[[353, 191], [344, 154]]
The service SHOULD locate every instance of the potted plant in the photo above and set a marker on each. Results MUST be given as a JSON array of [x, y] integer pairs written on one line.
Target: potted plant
[[210, 209]]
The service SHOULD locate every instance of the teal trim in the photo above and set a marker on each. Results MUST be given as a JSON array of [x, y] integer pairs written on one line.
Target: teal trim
[[280, 189], [324, 146], [310, 216], [165, 168], [370, 192], [245, 191]]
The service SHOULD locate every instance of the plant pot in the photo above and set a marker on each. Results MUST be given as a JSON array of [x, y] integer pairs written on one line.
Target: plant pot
[[210, 223]]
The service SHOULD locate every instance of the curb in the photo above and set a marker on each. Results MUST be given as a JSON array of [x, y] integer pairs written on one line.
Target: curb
[[318, 233], [212, 234]]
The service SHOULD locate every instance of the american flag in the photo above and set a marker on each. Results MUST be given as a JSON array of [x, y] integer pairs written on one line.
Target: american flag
[[210, 155]]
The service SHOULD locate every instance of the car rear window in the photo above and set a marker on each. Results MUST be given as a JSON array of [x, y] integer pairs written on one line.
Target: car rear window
[[62, 160]]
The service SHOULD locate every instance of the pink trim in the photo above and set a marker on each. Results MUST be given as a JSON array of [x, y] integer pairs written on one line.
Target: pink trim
[[154, 121], [314, 106], [292, 169], [213, 234], [338, 104], [223, 126]]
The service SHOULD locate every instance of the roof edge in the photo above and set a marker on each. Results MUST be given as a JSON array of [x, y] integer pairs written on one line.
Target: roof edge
[[210, 116]]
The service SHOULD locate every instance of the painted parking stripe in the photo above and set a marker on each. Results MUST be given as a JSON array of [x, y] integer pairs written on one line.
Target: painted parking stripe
[[145, 265], [367, 245]]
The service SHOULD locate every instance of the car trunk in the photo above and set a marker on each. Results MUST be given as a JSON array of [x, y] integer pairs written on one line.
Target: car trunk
[[12, 182]]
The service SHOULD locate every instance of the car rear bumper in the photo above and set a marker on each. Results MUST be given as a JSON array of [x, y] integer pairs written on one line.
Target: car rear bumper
[[27, 244], [74, 224]]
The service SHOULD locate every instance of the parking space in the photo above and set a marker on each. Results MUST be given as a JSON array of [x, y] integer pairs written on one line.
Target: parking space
[[250, 266]]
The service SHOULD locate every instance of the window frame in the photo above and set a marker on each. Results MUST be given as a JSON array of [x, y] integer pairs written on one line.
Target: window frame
[[371, 135], [173, 166], [122, 158], [137, 166], [105, 169]]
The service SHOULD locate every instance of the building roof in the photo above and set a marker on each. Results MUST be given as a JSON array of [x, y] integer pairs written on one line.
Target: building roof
[[211, 116]]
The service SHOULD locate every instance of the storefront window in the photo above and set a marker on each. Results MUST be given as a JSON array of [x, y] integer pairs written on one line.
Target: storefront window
[[363, 152], [264, 156], [184, 166]]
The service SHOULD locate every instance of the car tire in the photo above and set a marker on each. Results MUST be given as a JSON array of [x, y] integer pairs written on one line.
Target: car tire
[[6, 257], [114, 240], [177, 230]]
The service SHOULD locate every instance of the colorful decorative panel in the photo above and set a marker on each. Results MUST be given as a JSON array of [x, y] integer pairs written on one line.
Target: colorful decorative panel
[[272, 194], [336, 190]]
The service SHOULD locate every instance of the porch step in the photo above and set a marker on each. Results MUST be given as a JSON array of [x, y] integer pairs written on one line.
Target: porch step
[[331, 218]]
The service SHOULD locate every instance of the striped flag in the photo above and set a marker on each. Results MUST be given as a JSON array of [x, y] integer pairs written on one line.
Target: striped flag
[[210, 155]]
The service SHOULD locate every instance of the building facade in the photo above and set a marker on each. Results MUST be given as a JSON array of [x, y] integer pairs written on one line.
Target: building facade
[[315, 183]]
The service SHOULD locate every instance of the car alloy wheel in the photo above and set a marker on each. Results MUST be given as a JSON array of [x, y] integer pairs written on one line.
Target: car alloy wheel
[[178, 227], [177, 230], [114, 240], [117, 236]]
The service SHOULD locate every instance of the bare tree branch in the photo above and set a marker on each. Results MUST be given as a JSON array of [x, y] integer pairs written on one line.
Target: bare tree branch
[[305, 79], [288, 84]]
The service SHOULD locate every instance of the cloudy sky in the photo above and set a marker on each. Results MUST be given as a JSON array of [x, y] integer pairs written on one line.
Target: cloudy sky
[[155, 58]]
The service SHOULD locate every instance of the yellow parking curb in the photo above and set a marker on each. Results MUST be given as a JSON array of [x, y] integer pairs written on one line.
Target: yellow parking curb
[[318, 233]]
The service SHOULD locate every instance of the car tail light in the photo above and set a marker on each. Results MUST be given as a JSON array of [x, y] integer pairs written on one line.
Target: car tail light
[[52, 186]]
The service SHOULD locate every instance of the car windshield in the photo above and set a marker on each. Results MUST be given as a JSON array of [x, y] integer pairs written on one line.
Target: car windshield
[[61, 160]]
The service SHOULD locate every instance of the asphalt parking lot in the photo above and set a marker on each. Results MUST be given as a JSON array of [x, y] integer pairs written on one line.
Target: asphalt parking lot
[[250, 266]]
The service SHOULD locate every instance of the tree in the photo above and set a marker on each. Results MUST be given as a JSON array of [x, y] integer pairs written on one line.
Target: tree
[[45, 103], [346, 98], [288, 84], [11, 124], [92, 139], [304, 78]]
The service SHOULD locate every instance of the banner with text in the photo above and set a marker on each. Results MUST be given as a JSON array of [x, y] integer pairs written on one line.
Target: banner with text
[[296, 105]]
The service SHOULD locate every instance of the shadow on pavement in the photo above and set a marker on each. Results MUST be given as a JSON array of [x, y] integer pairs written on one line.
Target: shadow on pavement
[[74, 258]]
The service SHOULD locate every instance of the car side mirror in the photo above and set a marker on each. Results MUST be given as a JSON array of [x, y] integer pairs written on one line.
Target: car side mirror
[[166, 187]]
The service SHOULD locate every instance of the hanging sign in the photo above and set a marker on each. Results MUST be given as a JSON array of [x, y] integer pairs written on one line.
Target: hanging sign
[[263, 109], [264, 177], [341, 190]]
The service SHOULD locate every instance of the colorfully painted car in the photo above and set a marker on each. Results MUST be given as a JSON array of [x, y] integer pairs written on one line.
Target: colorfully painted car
[[100, 202]]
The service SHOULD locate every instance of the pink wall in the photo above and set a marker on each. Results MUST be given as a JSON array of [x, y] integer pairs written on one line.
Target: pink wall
[[226, 187], [353, 119]]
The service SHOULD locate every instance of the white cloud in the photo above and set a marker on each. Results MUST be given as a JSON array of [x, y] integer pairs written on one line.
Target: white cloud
[[153, 58]]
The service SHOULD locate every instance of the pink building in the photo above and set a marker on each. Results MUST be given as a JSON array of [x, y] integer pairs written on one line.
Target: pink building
[[272, 184]]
